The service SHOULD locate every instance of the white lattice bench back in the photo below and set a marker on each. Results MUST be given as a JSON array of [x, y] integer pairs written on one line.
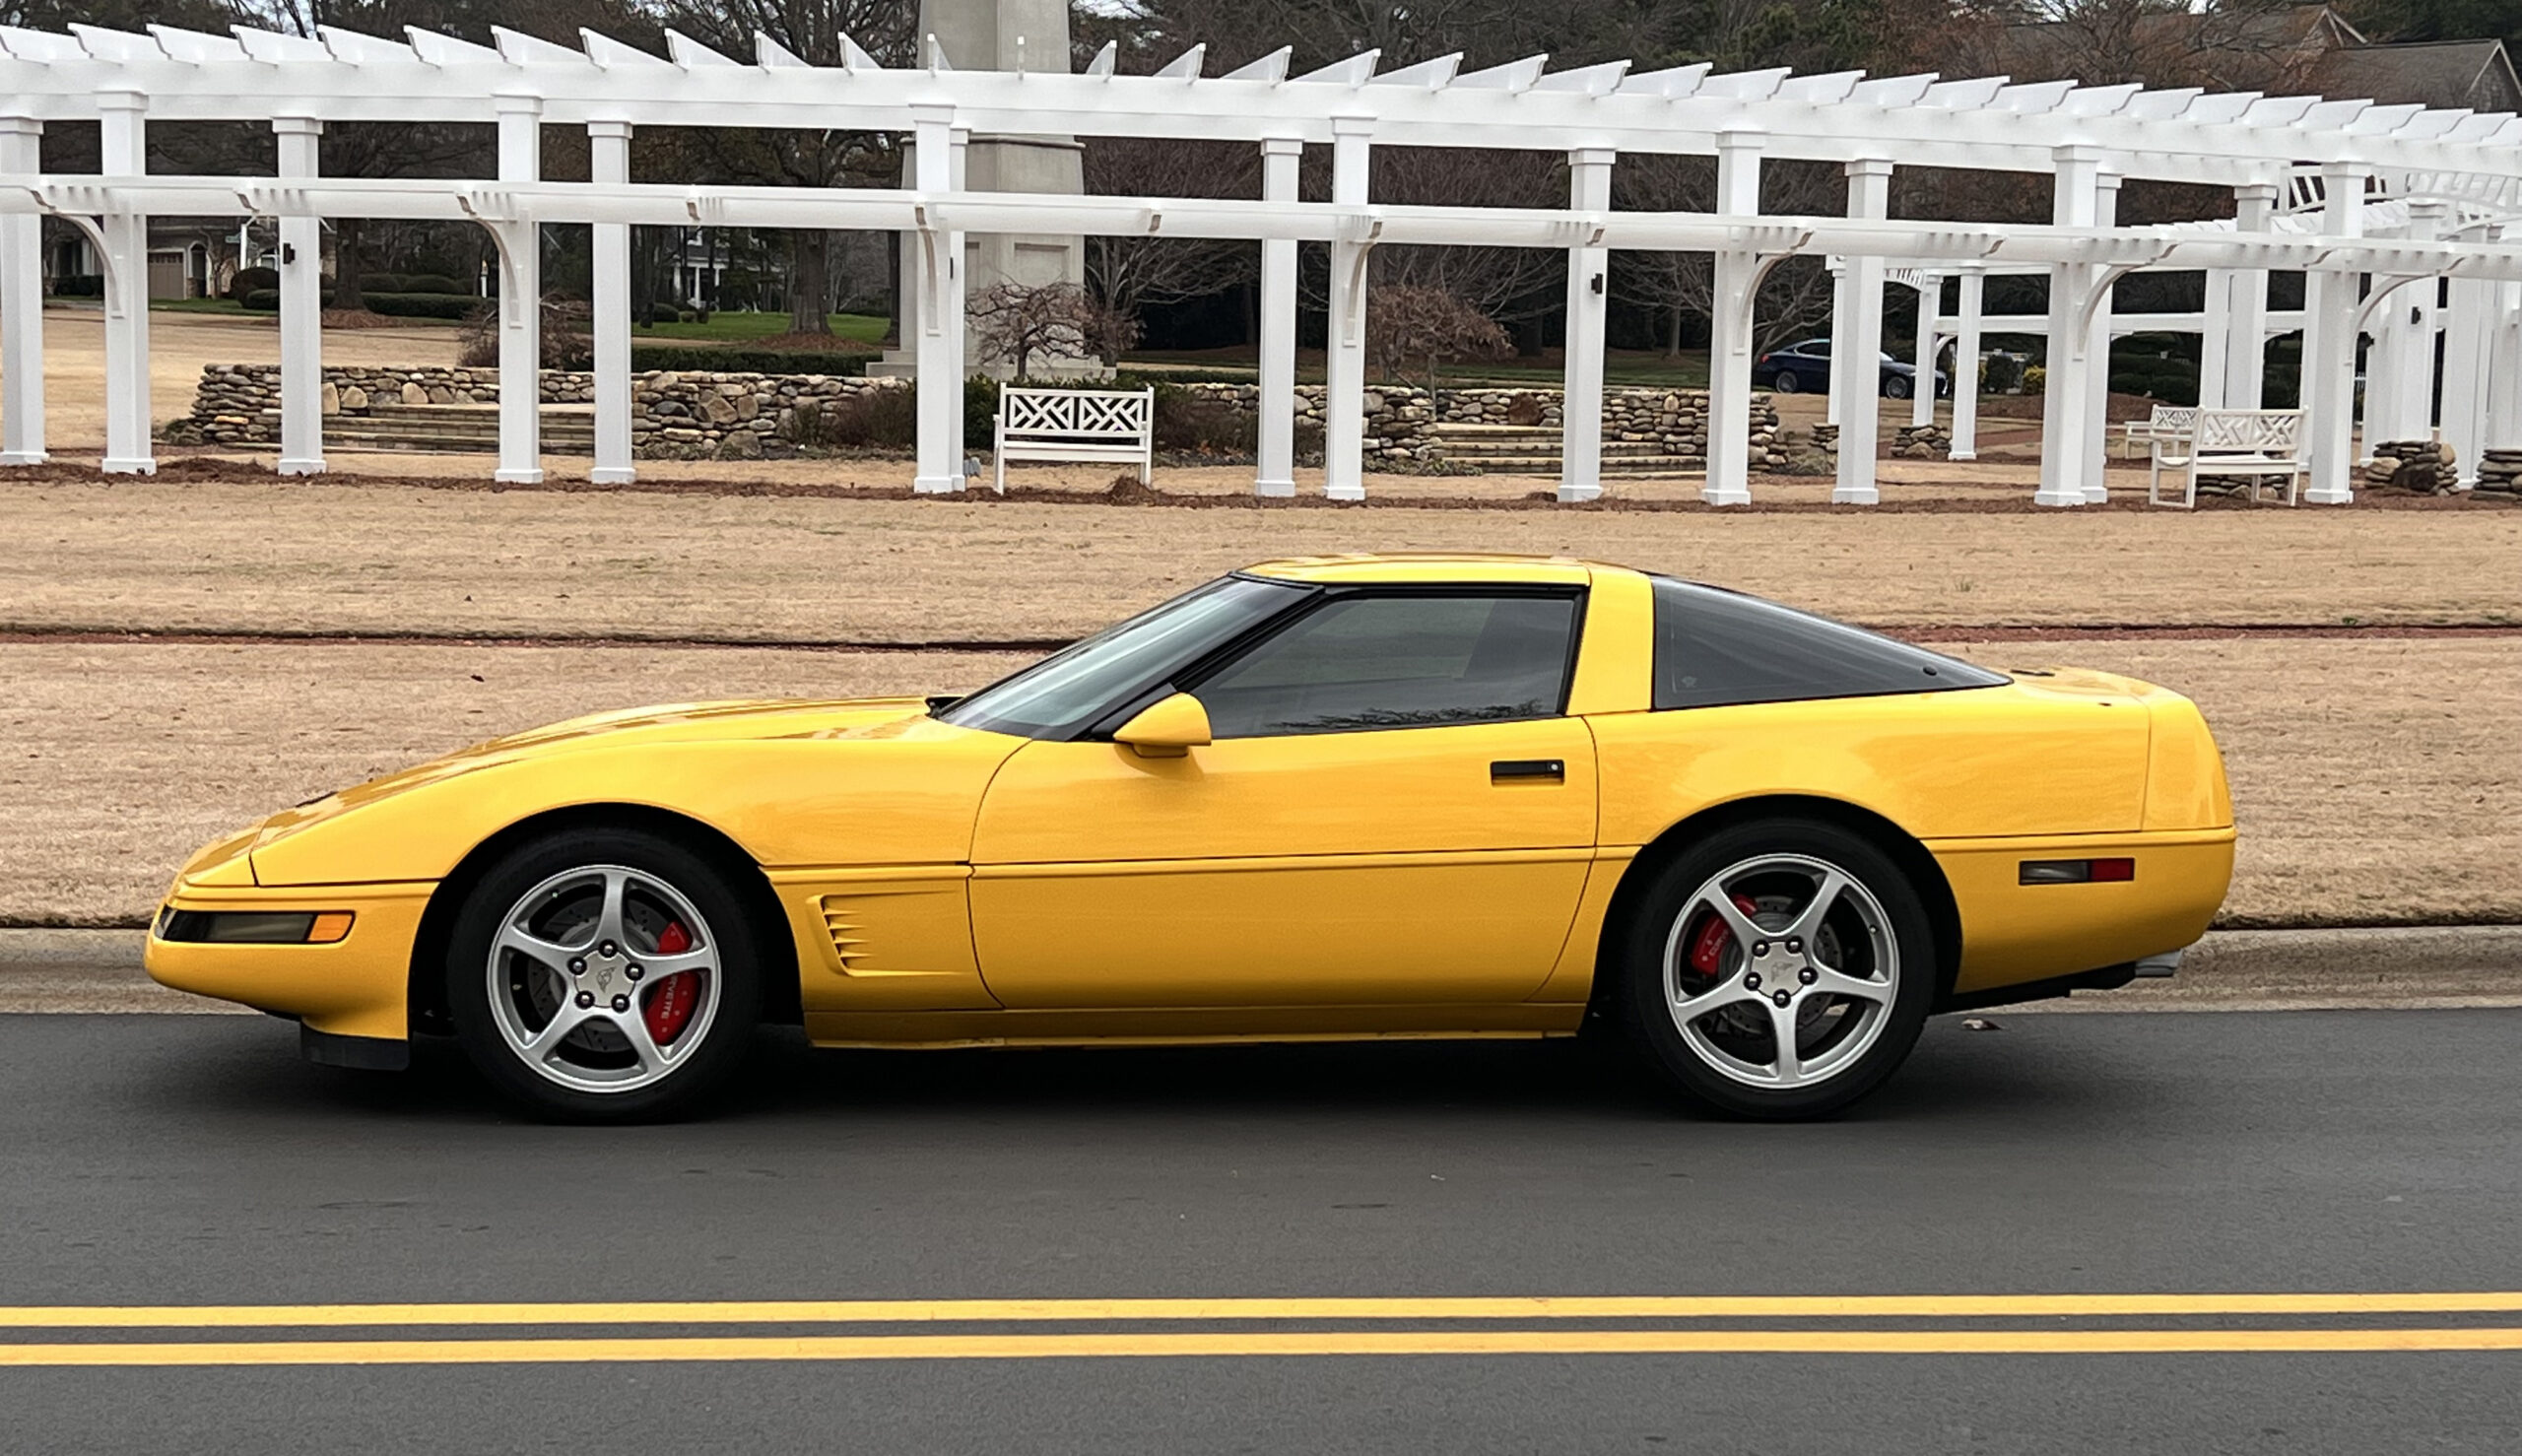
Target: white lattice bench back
[[1090, 424], [2254, 444], [2167, 421]]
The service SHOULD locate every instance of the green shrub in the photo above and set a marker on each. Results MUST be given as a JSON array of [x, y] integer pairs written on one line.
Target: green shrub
[[252, 280], [425, 306], [746, 360], [433, 282], [381, 283], [980, 412], [2035, 379], [262, 300]]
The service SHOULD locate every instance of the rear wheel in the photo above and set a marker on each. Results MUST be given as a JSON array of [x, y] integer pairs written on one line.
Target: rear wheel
[[1896, 386], [603, 975], [1780, 970], [1787, 383]]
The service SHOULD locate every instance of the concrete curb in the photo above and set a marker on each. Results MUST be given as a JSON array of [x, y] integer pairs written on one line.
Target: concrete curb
[[99, 971]]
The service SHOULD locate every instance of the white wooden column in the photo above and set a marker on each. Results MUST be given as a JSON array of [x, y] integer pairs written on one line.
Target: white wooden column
[[2504, 370], [124, 129], [520, 299], [301, 307], [2402, 378], [939, 340], [1965, 365], [2330, 304], [1922, 388], [956, 304], [2467, 370], [21, 304], [1344, 415], [609, 162], [2245, 354], [1280, 159], [2068, 395], [1581, 429], [1856, 343], [1732, 322], [2096, 419], [1836, 393]]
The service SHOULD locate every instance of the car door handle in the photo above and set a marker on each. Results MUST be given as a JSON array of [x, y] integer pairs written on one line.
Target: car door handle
[[1553, 770]]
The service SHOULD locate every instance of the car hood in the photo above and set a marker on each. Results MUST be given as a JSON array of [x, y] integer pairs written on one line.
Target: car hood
[[727, 721]]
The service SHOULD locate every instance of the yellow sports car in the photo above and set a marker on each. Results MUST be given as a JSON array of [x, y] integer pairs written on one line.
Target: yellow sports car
[[1339, 797]]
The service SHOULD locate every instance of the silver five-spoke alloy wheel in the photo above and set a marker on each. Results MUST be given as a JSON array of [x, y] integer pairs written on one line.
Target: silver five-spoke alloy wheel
[[604, 978], [1781, 971]]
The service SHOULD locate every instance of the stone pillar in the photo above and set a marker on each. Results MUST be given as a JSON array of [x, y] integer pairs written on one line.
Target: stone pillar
[[1856, 344], [2068, 393], [520, 299], [609, 162], [938, 341], [123, 128], [1280, 157], [1580, 436], [2096, 421], [20, 305], [1965, 365], [1344, 405], [301, 308], [2330, 305], [1733, 317]]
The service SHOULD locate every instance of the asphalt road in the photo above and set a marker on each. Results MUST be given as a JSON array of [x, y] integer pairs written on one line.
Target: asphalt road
[[177, 1160]]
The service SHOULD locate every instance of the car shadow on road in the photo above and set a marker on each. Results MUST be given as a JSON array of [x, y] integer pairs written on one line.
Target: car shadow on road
[[1955, 1077]]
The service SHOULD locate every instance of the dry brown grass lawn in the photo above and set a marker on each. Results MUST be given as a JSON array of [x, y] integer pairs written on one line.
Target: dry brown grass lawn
[[2375, 780], [371, 558]]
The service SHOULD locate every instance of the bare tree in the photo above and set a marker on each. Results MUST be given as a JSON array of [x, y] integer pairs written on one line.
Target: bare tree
[[1430, 326], [1794, 297], [818, 31], [1015, 324], [1128, 274]]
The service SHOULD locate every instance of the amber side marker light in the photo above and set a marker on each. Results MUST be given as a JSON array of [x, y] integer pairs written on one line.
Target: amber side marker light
[[2077, 871], [254, 927]]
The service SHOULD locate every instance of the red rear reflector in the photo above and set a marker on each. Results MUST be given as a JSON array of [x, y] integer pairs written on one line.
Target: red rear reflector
[[2077, 871]]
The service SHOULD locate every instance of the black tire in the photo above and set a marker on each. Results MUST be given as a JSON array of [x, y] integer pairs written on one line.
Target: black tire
[[1787, 383], [1869, 1050], [1896, 386], [724, 1032]]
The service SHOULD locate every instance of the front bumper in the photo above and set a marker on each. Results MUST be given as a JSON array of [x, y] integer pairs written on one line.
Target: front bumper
[[358, 986]]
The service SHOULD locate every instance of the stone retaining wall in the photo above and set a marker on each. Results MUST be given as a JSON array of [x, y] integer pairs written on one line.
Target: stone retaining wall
[[687, 414]]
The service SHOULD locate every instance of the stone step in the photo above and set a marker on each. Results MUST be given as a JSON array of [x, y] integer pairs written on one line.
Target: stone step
[[1628, 465], [1456, 451], [454, 430]]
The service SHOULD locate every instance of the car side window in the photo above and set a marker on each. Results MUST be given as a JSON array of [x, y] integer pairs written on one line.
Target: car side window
[[1715, 648], [1400, 661]]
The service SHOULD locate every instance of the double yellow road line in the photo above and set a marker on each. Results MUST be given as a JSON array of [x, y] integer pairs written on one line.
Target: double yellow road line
[[872, 1329]]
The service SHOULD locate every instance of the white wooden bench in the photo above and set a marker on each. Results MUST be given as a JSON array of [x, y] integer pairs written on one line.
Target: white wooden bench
[[2168, 423], [1116, 424], [2255, 443]]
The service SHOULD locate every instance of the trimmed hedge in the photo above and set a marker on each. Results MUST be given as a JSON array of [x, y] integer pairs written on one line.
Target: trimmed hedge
[[79, 286], [425, 306], [251, 280], [261, 301], [434, 282], [746, 360]]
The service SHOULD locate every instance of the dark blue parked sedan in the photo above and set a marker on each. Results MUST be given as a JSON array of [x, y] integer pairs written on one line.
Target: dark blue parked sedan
[[1798, 367]]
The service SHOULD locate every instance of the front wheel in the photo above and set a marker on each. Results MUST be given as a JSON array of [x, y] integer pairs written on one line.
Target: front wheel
[[1778, 970], [604, 975], [1787, 383], [1896, 387]]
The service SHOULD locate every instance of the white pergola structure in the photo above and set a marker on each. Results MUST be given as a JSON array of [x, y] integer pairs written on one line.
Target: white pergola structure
[[2455, 172]]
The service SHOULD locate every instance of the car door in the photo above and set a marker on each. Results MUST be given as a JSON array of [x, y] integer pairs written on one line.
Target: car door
[[1394, 808]]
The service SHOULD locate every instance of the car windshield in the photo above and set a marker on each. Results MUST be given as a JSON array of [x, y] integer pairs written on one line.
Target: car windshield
[[1066, 692]]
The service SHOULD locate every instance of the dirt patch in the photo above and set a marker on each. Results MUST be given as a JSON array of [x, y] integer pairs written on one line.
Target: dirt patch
[[265, 556]]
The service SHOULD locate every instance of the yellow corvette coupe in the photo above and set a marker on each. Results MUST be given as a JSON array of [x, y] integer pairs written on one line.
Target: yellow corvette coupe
[[1339, 797]]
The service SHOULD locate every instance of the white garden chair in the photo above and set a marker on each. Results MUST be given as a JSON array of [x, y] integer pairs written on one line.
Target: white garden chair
[[2167, 423], [2256, 443]]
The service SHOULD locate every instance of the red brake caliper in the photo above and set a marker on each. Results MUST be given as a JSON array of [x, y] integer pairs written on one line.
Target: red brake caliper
[[670, 1002], [1707, 948]]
